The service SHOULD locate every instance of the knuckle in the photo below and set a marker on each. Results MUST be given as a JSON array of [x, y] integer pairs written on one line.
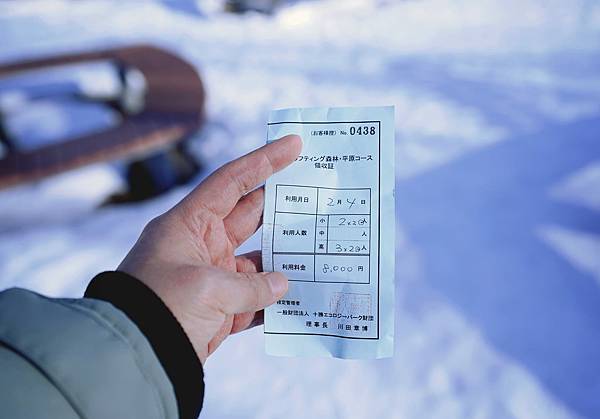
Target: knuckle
[[256, 292], [153, 226], [253, 288], [241, 182], [267, 162], [240, 174]]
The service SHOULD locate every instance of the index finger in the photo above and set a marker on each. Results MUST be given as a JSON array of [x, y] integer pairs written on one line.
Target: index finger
[[223, 189]]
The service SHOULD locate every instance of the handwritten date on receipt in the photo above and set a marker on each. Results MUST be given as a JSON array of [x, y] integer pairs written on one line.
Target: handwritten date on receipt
[[328, 224]]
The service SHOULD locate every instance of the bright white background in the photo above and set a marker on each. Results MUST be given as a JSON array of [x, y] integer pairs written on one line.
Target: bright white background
[[498, 190]]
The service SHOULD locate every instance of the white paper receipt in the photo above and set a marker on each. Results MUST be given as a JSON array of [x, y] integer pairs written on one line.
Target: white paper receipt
[[329, 226]]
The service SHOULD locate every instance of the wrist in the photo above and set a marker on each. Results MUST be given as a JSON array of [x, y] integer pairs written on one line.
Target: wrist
[[163, 331]]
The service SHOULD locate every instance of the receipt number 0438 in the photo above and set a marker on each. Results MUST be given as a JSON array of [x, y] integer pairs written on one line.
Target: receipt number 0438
[[363, 130]]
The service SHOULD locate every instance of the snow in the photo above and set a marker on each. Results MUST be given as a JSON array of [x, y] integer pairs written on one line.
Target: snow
[[498, 190]]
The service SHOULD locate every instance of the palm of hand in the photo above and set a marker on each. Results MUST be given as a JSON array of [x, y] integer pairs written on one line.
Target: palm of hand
[[187, 254]]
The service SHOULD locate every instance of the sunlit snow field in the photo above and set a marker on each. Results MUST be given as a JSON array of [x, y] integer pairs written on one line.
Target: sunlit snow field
[[498, 190]]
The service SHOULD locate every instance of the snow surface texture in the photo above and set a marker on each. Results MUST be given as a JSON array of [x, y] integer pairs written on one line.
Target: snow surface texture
[[498, 191]]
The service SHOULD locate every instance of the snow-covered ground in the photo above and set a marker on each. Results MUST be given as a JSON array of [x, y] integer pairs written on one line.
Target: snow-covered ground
[[498, 191]]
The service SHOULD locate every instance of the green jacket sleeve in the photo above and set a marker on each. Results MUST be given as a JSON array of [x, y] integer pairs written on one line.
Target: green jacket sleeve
[[89, 358]]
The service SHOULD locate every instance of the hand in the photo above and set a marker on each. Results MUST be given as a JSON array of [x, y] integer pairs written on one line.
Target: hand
[[186, 256]]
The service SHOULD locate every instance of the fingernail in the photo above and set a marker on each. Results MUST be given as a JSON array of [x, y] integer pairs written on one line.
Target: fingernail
[[278, 283], [290, 136]]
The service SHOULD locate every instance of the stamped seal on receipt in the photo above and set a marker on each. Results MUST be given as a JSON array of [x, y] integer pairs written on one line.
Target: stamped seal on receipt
[[328, 225]]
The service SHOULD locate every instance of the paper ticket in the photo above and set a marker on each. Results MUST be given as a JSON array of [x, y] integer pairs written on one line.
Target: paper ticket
[[328, 225]]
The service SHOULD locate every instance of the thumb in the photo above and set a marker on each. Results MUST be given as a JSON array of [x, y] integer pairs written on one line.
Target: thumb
[[242, 292]]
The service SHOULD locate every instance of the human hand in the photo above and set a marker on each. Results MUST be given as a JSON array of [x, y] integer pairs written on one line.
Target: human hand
[[186, 256]]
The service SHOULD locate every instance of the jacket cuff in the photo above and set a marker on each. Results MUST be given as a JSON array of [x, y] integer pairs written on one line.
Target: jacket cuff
[[166, 336]]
